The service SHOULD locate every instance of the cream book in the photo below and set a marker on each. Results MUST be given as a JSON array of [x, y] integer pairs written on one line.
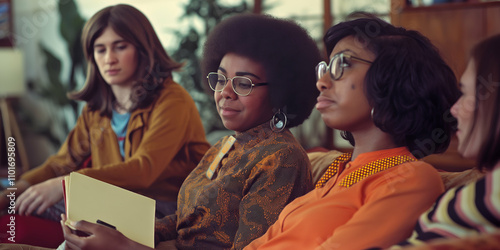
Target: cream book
[[96, 201]]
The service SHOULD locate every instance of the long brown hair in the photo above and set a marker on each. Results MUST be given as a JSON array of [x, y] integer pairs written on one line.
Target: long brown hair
[[486, 56], [153, 68]]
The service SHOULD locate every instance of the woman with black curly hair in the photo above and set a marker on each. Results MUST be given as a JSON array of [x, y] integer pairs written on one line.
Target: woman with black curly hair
[[391, 93], [261, 70]]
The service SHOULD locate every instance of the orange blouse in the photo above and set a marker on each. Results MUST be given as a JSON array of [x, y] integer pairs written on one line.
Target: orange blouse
[[379, 210]]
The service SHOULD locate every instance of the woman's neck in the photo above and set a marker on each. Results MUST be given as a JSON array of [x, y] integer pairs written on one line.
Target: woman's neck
[[122, 98], [371, 140]]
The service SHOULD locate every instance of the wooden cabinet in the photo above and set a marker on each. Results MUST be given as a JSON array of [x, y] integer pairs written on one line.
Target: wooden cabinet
[[454, 28]]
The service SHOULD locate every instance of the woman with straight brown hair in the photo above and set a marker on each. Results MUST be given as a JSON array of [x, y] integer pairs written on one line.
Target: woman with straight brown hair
[[139, 129], [468, 216]]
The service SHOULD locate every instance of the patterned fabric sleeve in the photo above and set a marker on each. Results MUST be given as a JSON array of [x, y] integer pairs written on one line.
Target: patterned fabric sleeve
[[268, 191], [461, 212], [165, 228]]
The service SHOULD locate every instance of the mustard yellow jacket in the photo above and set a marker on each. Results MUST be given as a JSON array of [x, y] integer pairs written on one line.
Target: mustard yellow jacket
[[164, 142]]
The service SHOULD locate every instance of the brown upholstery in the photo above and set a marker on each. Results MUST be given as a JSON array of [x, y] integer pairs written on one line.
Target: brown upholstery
[[320, 161]]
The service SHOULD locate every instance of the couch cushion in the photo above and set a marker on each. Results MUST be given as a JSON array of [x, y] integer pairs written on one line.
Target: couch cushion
[[30, 230], [320, 161]]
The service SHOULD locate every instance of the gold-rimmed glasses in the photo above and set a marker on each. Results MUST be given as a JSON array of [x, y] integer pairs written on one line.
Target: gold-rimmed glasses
[[242, 85]]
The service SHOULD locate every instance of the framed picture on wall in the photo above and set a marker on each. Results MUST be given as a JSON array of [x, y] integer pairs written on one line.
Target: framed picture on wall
[[6, 23]]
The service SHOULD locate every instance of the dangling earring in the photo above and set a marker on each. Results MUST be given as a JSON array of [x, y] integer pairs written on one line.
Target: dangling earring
[[372, 113], [278, 122]]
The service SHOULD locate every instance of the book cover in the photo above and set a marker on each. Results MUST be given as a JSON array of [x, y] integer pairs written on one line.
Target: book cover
[[96, 201]]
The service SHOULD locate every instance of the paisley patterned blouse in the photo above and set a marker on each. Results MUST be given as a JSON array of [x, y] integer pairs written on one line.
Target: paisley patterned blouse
[[261, 173]]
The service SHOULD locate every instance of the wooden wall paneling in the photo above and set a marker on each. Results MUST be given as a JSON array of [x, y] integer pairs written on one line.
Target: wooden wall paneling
[[454, 28], [397, 6], [453, 32], [327, 15], [493, 20], [257, 6]]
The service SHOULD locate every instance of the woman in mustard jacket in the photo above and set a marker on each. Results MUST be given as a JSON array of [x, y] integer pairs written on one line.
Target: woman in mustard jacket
[[139, 129]]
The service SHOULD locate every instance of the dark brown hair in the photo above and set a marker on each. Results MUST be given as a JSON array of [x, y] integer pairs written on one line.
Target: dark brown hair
[[153, 68], [409, 86], [486, 57]]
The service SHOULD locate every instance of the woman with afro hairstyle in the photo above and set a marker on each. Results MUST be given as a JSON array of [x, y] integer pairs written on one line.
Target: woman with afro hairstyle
[[261, 70]]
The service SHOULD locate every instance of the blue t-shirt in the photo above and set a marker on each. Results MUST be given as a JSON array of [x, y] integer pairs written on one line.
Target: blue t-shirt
[[119, 123]]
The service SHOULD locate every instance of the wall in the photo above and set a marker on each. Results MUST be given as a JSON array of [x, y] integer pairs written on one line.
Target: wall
[[35, 24]]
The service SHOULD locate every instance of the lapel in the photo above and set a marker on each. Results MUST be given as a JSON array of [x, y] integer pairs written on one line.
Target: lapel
[[135, 128]]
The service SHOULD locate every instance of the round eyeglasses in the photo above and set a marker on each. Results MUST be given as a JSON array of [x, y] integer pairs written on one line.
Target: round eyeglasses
[[337, 65], [242, 85]]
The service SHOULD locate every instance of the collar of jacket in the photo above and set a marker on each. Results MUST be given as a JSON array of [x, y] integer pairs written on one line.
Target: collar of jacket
[[140, 115]]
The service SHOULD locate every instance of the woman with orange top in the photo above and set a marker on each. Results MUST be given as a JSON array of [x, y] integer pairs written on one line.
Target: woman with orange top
[[391, 92]]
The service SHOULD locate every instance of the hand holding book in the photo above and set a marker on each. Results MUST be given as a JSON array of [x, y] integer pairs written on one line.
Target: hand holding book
[[103, 237], [90, 201]]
